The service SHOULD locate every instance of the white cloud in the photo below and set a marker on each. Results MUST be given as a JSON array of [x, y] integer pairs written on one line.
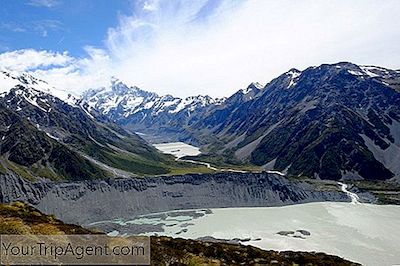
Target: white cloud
[[44, 3], [80, 74], [25, 60], [61, 70], [216, 47], [171, 51], [150, 5]]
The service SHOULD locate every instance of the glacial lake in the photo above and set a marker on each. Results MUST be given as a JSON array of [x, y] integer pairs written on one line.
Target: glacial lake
[[364, 233], [178, 149]]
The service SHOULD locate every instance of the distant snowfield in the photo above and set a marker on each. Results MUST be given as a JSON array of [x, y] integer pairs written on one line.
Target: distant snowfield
[[364, 233], [178, 149]]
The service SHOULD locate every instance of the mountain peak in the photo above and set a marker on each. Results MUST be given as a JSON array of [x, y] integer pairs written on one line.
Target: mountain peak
[[345, 64], [256, 85], [118, 86], [120, 101], [12, 79], [252, 87], [292, 75], [293, 71]]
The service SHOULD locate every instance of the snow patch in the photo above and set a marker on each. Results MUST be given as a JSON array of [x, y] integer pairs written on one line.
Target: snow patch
[[355, 73], [293, 75], [32, 99], [87, 112], [251, 87], [373, 71]]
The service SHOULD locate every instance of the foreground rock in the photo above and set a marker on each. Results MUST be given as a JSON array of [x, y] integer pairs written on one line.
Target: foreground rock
[[192, 252], [20, 218], [89, 201]]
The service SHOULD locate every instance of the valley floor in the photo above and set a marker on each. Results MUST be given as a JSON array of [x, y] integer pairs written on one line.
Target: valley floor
[[357, 231]]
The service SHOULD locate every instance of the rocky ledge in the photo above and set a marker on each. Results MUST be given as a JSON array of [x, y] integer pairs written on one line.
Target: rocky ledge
[[95, 200]]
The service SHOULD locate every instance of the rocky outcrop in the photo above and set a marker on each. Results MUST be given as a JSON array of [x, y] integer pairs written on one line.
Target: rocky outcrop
[[87, 201]]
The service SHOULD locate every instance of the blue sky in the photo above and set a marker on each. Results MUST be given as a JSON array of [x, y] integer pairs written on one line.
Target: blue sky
[[58, 25], [186, 47]]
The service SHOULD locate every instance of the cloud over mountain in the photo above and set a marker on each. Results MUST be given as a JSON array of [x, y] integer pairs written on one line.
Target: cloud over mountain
[[216, 47]]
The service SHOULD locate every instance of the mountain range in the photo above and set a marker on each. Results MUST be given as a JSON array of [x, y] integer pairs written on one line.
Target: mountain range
[[47, 133], [332, 121]]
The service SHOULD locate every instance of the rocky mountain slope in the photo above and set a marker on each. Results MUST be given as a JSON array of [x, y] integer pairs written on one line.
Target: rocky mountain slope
[[331, 122], [42, 135]]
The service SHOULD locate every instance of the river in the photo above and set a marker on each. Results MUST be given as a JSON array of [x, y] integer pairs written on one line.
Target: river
[[181, 149]]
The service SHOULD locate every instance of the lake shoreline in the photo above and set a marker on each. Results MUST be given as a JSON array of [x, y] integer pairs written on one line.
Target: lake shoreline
[[353, 231], [89, 201]]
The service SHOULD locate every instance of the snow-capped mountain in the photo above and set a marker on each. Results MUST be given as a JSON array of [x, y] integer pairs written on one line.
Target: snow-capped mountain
[[121, 101], [43, 135], [246, 94], [9, 80], [332, 121], [146, 111]]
